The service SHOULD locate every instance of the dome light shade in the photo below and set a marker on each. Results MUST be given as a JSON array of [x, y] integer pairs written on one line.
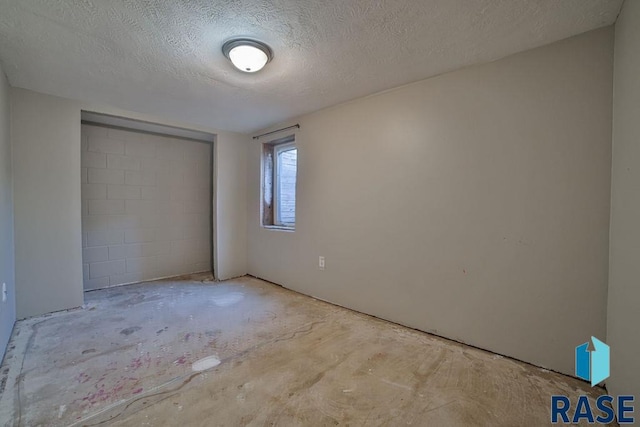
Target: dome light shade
[[248, 58], [247, 55]]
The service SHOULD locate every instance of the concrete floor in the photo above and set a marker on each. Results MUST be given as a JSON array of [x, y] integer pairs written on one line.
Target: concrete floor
[[129, 358]]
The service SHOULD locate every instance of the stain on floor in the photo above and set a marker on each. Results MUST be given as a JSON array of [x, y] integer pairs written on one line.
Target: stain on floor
[[129, 331], [247, 352]]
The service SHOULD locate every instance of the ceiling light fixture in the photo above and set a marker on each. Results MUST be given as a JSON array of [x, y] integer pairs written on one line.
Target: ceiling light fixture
[[247, 55]]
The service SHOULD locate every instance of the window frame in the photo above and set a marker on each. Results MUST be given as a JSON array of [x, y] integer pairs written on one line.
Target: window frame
[[269, 202], [277, 150]]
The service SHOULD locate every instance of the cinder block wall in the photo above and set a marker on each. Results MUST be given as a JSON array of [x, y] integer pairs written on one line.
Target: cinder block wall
[[146, 204]]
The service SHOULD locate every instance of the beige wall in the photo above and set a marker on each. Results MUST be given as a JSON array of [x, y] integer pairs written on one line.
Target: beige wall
[[7, 308], [624, 290], [230, 192], [46, 143], [46, 157], [146, 206], [474, 205]]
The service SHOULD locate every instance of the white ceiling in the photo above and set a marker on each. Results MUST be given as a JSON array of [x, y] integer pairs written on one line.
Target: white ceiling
[[163, 57]]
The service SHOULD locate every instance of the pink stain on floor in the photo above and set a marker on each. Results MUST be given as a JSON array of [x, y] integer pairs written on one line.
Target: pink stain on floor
[[104, 393], [82, 378], [181, 360], [139, 362], [136, 363]]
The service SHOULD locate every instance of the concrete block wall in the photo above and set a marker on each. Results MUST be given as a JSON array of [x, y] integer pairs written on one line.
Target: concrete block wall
[[146, 206]]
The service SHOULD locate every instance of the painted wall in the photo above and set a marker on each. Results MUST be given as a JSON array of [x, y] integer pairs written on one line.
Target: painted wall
[[7, 308], [474, 205], [230, 191], [623, 315], [46, 158], [146, 206], [46, 144]]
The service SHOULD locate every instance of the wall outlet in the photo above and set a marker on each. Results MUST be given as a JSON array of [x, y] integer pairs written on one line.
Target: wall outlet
[[321, 263], [4, 292]]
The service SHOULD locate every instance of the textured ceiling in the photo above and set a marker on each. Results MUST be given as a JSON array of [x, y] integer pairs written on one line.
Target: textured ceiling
[[163, 57]]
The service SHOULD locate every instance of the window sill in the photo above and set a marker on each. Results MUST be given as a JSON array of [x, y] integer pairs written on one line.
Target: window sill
[[279, 228]]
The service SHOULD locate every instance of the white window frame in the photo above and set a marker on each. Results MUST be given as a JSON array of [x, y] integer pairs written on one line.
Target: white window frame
[[277, 150]]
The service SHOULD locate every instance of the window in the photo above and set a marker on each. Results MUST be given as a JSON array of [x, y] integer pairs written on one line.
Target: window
[[280, 165]]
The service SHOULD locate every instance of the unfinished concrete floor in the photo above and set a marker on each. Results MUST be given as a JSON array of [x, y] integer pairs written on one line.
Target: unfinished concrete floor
[[133, 356]]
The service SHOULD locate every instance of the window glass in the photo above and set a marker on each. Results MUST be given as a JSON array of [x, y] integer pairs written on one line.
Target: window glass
[[286, 193]]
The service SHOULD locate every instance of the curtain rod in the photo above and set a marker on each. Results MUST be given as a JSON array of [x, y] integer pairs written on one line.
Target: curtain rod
[[278, 130]]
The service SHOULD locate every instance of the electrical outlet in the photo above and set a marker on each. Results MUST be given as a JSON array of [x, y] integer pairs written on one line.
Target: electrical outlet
[[321, 263], [4, 292]]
